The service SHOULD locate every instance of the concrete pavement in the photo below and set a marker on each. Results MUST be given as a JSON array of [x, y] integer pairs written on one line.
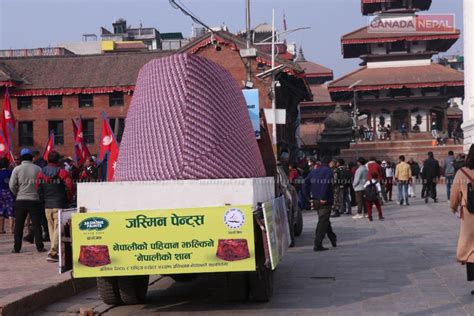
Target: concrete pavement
[[404, 265], [28, 281]]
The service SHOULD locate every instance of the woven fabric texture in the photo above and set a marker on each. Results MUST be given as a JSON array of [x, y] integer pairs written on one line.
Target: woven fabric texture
[[188, 119]]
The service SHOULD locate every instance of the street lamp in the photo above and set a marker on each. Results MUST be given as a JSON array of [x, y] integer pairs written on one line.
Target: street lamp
[[287, 32]]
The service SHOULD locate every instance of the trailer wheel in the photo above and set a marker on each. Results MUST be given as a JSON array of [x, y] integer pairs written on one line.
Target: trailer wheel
[[261, 284], [109, 291], [237, 289], [299, 222], [133, 289], [292, 234]]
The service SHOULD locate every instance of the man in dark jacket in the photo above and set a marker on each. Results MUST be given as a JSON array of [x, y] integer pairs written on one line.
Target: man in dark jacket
[[415, 175], [55, 189], [431, 174], [318, 188]]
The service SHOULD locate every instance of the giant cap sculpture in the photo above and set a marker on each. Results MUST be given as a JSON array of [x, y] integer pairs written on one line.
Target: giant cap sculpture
[[187, 120]]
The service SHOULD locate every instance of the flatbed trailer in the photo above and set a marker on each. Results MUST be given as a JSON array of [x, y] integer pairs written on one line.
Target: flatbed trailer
[[236, 210]]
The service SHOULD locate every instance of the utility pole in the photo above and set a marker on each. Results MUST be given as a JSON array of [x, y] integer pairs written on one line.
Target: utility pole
[[274, 127], [248, 65], [247, 16]]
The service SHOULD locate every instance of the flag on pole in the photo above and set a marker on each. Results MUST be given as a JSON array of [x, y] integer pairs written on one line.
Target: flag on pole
[[7, 111], [74, 128], [285, 28], [7, 120], [81, 151], [108, 148], [49, 146]]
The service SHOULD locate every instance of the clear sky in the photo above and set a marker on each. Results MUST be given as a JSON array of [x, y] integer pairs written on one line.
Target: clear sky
[[42, 23]]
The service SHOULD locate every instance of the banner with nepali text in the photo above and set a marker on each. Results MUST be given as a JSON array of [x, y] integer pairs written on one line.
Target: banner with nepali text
[[200, 240]]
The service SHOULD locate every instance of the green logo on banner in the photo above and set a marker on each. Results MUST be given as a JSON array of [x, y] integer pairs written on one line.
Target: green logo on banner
[[94, 223]]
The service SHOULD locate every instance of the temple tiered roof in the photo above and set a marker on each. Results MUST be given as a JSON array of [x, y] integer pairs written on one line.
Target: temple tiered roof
[[434, 75], [357, 43]]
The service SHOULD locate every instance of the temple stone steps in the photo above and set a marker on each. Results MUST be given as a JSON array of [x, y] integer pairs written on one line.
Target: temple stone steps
[[391, 150], [410, 143], [419, 136]]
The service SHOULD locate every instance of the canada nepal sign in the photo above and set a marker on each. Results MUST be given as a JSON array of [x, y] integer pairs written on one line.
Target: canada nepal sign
[[215, 239]]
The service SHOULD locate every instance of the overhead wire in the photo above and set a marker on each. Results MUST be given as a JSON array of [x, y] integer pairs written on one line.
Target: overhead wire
[[176, 4]]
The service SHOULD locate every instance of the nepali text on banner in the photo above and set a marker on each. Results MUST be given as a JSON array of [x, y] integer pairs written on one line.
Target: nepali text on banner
[[198, 240]]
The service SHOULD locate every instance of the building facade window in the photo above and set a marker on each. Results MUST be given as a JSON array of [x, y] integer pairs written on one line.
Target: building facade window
[[116, 98], [25, 133], [118, 126], [25, 103], [86, 101], [88, 131], [55, 101], [58, 128]]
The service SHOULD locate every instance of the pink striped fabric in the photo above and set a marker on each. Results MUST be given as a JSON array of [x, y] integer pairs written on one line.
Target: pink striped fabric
[[188, 120]]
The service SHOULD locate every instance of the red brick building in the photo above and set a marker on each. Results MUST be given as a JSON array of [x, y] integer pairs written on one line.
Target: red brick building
[[47, 92]]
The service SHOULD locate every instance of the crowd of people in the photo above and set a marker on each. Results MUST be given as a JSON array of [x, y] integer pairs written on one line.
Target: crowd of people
[[369, 134], [33, 189], [334, 187]]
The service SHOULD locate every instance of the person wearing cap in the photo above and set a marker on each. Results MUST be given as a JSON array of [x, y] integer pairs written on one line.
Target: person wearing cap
[[23, 185]]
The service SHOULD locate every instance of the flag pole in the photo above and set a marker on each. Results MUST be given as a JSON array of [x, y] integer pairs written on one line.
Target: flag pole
[[51, 132]]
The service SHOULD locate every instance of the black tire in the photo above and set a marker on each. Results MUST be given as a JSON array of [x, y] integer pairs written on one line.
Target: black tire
[[298, 229], [109, 291], [133, 289], [291, 225], [183, 277], [292, 236], [237, 288], [261, 285]]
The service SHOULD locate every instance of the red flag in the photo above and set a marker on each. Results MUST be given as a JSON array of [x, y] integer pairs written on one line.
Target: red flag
[[7, 120], [112, 160], [7, 111], [49, 146], [4, 148], [80, 148], [110, 147]]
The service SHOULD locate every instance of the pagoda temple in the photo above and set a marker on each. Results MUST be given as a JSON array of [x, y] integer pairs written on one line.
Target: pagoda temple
[[398, 82], [314, 112]]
